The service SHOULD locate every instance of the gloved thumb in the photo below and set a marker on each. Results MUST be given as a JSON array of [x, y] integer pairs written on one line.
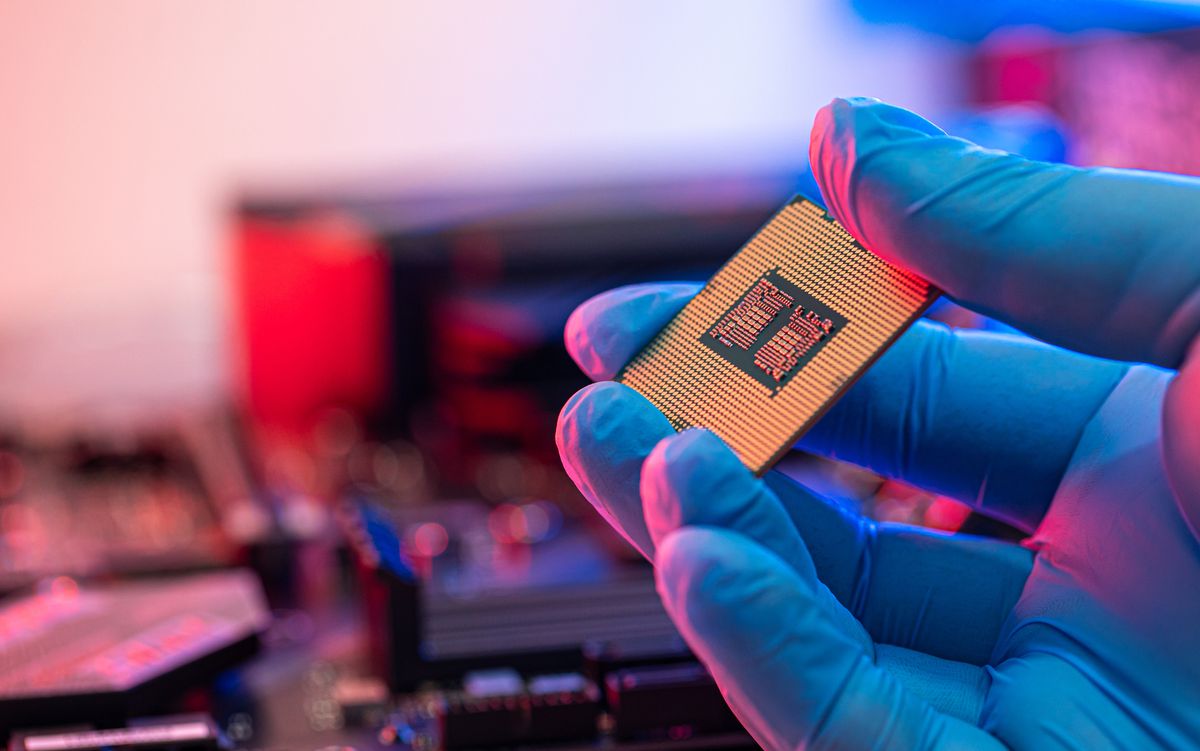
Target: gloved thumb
[[793, 679], [1101, 261], [1098, 260]]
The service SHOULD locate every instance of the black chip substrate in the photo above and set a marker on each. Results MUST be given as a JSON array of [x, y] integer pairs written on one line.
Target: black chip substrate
[[773, 330]]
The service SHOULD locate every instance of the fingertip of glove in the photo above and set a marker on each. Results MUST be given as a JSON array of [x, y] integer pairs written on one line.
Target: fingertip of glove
[[844, 131], [685, 466], [847, 119], [579, 336], [608, 329], [604, 424], [690, 560], [707, 577], [591, 413], [834, 122], [694, 478], [679, 458]]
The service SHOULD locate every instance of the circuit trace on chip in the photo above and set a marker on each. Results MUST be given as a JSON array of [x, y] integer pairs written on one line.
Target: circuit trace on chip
[[778, 334]]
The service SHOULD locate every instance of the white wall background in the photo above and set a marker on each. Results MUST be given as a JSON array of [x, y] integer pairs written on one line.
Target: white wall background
[[125, 125]]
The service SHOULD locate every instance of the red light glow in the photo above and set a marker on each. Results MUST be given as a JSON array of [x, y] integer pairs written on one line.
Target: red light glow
[[429, 540], [64, 588]]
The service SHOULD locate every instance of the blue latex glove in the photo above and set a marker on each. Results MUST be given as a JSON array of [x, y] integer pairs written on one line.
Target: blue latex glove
[[826, 630]]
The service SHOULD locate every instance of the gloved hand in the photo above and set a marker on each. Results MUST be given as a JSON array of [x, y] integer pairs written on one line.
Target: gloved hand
[[826, 630]]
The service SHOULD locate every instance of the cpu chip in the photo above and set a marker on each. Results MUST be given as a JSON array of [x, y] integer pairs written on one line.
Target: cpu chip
[[777, 335]]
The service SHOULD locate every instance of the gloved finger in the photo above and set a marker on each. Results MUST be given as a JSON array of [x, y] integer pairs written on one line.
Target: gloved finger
[[945, 595], [789, 674], [692, 478], [1181, 439], [989, 419], [1102, 261], [954, 688], [606, 331], [605, 432]]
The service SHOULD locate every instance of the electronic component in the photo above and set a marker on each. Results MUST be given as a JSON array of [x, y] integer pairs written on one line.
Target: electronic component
[[777, 335], [181, 733], [82, 654], [667, 701], [562, 707], [498, 708], [603, 657], [486, 712], [672, 708], [363, 700], [536, 619]]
